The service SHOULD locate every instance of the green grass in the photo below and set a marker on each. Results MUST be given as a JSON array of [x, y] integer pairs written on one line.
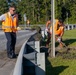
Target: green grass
[[70, 34], [60, 66], [69, 37]]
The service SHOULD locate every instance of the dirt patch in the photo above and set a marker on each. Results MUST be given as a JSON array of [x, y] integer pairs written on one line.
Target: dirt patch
[[65, 53]]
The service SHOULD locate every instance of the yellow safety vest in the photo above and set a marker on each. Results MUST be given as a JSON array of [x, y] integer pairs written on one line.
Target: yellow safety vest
[[9, 24], [55, 25]]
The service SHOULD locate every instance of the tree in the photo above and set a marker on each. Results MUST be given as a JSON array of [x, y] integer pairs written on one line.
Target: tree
[[39, 11], [3, 6]]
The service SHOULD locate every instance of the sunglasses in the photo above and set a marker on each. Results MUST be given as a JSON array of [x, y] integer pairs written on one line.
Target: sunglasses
[[13, 10]]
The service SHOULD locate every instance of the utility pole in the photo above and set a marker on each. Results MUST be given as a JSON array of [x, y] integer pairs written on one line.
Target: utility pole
[[53, 33]]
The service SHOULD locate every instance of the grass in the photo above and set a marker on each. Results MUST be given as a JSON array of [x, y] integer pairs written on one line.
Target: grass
[[60, 66], [71, 34], [69, 38]]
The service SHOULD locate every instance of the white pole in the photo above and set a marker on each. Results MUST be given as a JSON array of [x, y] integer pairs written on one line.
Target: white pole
[[53, 34]]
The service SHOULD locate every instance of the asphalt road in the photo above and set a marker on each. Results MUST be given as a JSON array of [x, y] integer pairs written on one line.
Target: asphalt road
[[6, 64], [22, 35]]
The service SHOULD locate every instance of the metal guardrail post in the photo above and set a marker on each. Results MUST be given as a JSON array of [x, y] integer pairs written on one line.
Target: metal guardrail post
[[70, 27], [40, 68], [37, 46]]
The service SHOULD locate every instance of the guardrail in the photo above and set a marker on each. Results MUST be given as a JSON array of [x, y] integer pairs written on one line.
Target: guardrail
[[28, 61], [70, 27], [67, 27]]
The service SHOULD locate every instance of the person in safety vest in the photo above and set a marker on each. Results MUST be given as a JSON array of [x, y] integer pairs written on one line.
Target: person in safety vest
[[9, 26], [58, 29], [28, 23]]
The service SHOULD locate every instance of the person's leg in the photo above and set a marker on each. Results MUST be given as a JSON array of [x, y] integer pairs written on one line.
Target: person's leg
[[8, 37], [61, 44], [13, 42], [48, 40]]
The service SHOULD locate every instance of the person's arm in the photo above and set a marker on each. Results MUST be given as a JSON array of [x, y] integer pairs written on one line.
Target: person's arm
[[47, 23], [62, 32], [2, 17]]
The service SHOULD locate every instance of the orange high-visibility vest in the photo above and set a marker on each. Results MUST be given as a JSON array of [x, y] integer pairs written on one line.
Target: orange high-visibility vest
[[55, 25], [9, 24], [57, 30]]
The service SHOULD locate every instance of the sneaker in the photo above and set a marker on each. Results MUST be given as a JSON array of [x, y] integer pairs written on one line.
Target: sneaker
[[13, 55]]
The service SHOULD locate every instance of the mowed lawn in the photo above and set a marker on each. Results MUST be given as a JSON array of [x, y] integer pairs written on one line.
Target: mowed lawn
[[60, 66], [69, 38]]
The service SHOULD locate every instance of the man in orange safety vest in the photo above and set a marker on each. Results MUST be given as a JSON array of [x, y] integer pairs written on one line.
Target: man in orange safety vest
[[58, 29]]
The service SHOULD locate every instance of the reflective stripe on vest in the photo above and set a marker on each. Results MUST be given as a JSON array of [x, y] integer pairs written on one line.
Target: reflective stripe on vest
[[9, 27]]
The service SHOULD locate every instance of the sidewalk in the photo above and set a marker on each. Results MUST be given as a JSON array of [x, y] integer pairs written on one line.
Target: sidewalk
[[6, 64], [1, 32]]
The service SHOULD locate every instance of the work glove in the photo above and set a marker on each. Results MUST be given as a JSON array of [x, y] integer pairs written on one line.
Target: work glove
[[46, 29], [59, 39]]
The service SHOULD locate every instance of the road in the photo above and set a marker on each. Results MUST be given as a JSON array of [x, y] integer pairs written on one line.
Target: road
[[22, 35], [6, 64]]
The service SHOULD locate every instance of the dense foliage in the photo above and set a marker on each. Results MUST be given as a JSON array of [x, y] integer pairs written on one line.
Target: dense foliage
[[39, 11]]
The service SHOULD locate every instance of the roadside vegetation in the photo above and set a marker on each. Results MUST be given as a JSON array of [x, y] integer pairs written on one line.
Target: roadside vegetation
[[70, 37], [65, 61]]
